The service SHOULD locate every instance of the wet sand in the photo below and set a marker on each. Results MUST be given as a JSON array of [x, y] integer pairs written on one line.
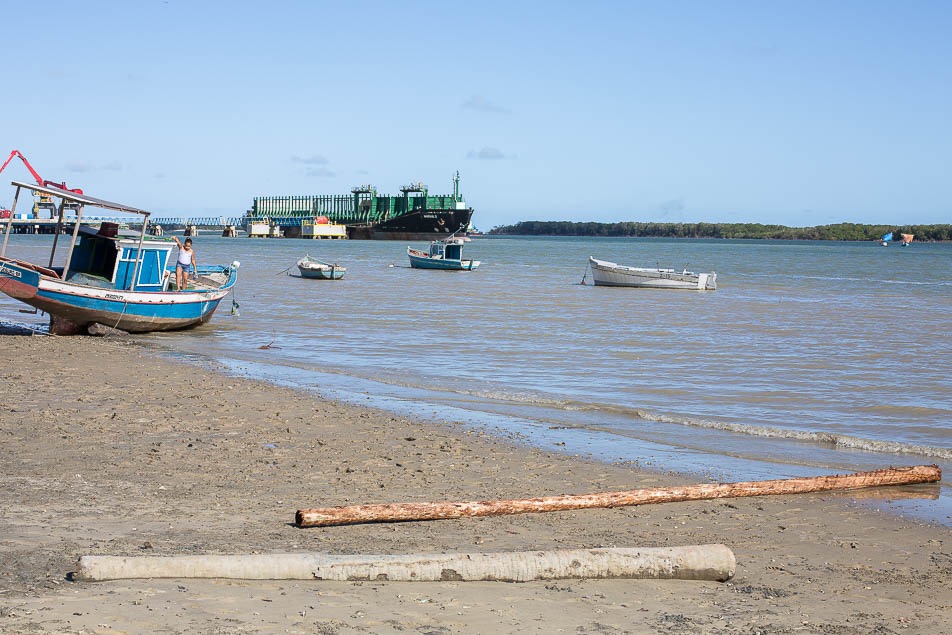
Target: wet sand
[[108, 448]]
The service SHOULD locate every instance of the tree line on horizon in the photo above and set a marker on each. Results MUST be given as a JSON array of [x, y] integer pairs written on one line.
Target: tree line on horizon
[[837, 231]]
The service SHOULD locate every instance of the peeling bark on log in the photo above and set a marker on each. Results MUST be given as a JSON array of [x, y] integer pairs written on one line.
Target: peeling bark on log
[[698, 562], [400, 512]]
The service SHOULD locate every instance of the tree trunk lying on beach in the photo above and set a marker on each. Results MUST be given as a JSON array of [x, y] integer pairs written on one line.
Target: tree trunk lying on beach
[[103, 330], [354, 514], [699, 562]]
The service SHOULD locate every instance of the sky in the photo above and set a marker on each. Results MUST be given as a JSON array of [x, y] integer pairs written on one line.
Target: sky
[[798, 113]]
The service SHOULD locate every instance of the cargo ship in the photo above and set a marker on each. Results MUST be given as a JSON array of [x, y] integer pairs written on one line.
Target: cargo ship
[[413, 215]]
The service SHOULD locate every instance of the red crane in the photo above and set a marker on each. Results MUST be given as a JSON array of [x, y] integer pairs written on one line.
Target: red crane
[[5, 213], [39, 179]]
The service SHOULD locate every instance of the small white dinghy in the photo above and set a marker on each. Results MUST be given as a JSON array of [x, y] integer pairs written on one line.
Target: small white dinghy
[[610, 274], [320, 270]]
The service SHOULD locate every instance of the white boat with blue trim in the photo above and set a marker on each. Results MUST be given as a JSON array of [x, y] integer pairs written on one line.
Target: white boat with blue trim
[[121, 281]]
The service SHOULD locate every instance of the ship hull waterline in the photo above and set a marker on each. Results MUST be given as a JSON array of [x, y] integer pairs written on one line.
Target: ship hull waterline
[[415, 226]]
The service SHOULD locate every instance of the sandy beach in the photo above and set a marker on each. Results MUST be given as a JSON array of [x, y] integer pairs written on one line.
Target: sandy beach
[[111, 448]]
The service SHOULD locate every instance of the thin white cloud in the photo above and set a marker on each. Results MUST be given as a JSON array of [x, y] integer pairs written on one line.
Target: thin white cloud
[[315, 165], [315, 159], [487, 153], [674, 207], [83, 167], [480, 103], [80, 166]]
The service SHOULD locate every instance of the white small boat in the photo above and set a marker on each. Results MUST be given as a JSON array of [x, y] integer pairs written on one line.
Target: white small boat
[[320, 270], [610, 274]]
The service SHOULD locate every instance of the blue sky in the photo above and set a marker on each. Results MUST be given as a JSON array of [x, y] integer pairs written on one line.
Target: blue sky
[[798, 113]]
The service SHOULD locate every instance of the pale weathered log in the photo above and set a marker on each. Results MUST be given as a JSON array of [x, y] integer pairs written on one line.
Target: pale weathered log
[[399, 512], [103, 330], [697, 562]]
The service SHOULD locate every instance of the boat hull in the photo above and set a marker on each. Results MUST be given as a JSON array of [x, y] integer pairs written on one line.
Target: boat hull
[[609, 274], [420, 260], [322, 273], [76, 306], [415, 226], [443, 265]]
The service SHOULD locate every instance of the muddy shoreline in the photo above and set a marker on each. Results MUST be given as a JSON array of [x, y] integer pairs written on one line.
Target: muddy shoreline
[[110, 448]]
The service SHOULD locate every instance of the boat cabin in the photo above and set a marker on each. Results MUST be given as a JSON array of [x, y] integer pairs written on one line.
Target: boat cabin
[[450, 249], [104, 257]]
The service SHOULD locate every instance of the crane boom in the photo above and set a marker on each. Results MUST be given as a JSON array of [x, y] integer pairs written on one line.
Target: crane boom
[[17, 153], [39, 179]]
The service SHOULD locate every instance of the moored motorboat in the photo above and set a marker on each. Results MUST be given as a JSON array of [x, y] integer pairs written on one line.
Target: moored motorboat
[[112, 278], [444, 254], [610, 274], [319, 270]]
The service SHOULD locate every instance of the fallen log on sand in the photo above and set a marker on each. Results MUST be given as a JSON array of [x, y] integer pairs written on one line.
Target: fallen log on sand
[[700, 562], [354, 514]]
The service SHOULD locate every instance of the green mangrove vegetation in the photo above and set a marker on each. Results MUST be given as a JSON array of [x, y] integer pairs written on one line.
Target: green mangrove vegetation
[[838, 231]]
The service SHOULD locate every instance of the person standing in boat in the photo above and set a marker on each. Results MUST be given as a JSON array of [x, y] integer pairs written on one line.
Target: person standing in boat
[[186, 260]]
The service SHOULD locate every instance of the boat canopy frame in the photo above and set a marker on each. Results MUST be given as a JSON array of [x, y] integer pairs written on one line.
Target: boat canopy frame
[[79, 200]]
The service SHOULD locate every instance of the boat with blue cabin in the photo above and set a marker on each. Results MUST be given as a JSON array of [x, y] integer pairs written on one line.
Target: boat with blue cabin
[[111, 277], [444, 254]]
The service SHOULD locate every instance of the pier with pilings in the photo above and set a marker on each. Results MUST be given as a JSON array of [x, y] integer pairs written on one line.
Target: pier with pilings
[[288, 227], [28, 225]]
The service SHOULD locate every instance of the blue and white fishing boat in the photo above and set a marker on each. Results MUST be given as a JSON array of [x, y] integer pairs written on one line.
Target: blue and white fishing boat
[[111, 278], [446, 254]]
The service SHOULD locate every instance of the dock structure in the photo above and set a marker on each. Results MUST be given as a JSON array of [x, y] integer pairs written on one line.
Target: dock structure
[[227, 227], [27, 224], [262, 228], [30, 225], [323, 229], [314, 228]]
